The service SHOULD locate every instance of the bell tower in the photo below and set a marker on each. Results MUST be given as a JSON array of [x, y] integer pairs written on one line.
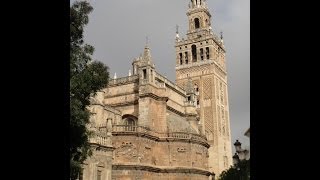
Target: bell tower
[[201, 57]]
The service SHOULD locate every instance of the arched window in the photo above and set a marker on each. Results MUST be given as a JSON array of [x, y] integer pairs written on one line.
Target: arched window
[[196, 23], [130, 122]]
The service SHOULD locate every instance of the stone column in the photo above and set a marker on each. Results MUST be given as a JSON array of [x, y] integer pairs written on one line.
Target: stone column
[[109, 131]]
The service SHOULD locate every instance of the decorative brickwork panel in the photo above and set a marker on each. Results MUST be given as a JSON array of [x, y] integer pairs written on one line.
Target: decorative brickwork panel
[[217, 88], [223, 122], [219, 120], [208, 116], [221, 93], [227, 124], [225, 95], [207, 88], [219, 72]]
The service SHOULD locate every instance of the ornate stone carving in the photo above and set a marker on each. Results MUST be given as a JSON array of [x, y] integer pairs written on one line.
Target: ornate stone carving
[[181, 149], [145, 156], [154, 160], [101, 164], [126, 151]]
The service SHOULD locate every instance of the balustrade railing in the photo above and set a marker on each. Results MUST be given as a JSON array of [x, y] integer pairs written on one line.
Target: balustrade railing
[[123, 80], [100, 138], [140, 129], [164, 79]]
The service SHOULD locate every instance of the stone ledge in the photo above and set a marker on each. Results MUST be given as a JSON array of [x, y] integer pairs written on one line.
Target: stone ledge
[[164, 137], [161, 169], [154, 96]]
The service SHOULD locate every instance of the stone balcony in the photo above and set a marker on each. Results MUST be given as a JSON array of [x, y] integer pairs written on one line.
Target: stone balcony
[[159, 136]]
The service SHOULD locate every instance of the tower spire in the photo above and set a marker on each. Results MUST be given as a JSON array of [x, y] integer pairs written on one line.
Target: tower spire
[[146, 53]]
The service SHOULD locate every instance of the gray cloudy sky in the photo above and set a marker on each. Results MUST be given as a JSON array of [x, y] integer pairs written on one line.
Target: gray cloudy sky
[[118, 30]]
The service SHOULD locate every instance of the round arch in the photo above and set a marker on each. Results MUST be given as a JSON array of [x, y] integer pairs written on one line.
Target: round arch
[[130, 122]]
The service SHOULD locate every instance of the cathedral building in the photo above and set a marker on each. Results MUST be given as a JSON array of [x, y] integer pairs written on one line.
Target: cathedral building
[[147, 127]]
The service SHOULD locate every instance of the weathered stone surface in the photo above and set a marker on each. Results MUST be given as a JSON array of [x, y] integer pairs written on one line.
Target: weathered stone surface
[[147, 127]]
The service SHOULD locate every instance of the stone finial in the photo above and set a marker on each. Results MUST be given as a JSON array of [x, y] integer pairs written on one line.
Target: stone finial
[[221, 36], [177, 33], [115, 76], [147, 54]]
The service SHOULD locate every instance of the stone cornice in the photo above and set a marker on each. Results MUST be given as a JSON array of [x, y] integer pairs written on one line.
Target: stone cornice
[[162, 169], [198, 9], [175, 111], [202, 64], [165, 137], [96, 104], [135, 92], [107, 108], [124, 103], [99, 147], [123, 80], [113, 110], [170, 84], [220, 68], [207, 145], [156, 97], [133, 133]]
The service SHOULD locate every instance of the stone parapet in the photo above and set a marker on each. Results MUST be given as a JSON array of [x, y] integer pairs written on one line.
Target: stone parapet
[[123, 80], [161, 169], [159, 136]]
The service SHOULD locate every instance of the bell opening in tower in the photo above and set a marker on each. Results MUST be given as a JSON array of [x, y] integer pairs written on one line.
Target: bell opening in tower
[[194, 53], [196, 23]]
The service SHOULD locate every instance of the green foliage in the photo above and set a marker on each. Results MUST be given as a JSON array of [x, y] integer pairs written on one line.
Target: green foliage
[[239, 172], [86, 78]]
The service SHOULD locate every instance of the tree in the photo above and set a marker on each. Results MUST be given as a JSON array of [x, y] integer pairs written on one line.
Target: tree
[[241, 171], [86, 78]]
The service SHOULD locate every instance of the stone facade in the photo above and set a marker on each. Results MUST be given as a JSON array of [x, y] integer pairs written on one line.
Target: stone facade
[[147, 127], [201, 58]]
